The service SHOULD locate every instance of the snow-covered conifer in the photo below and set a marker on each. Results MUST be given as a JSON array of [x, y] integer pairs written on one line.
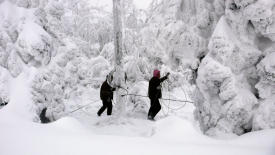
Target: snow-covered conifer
[[224, 80]]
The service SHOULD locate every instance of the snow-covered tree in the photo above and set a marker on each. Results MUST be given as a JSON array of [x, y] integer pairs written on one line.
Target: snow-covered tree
[[176, 31], [38, 42], [264, 117], [104, 31], [118, 54], [233, 89], [224, 58]]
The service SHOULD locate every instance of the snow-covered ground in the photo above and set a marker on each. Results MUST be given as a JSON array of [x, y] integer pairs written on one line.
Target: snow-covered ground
[[80, 133]]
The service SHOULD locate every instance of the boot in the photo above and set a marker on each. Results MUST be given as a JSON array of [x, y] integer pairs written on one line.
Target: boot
[[150, 118]]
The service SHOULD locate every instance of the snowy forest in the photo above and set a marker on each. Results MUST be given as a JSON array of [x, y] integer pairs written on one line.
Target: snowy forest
[[55, 55]]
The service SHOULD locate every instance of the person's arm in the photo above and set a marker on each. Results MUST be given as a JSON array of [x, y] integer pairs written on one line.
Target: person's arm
[[110, 92], [164, 78]]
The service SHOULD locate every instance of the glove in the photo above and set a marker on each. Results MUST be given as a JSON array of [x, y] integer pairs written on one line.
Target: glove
[[113, 89], [167, 74], [159, 87]]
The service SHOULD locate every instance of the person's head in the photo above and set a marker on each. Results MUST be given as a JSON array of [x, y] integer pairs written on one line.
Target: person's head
[[109, 79], [157, 73]]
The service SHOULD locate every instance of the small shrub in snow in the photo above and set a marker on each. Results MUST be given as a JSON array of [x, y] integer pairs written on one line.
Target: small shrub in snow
[[14, 64], [138, 104]]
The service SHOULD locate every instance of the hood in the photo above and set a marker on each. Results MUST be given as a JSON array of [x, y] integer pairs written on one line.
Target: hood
[[109, 76], [156, 73]]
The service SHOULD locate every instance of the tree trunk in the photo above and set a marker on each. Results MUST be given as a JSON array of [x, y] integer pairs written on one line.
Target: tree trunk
[[118, 49]]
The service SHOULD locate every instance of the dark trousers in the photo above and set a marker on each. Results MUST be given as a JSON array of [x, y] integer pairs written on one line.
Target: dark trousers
[[107, 105], [155, 108]]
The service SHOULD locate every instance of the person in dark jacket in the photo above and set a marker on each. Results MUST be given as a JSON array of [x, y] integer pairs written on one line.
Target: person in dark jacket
[[106, 95], [154, 92]]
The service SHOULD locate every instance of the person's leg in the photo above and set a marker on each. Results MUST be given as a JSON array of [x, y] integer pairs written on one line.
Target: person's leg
[[156, 108], [109, 108], [151, 108], [101, 110]]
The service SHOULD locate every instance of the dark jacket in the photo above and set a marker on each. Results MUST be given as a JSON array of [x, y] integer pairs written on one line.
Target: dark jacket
[[106, 91], [153, 92]]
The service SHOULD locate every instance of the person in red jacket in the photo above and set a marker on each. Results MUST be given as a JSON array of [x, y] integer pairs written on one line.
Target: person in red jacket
[[154, 93], [106, 95]]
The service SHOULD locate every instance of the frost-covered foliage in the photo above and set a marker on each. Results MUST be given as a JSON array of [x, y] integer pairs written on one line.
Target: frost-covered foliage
[[266, 72], [138, 104], [62, 79], [224, 96], [137, 68], [108, 51], [247, 17], [176, 78], [264, 118], [47, 92], [177, 30], [18, 40], [235, 79], [23, 40], [4, 85], [224, 59], [37, 41], [35, 48], [104, 28]]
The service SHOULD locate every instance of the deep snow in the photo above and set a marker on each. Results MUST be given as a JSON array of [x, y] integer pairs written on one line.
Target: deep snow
[[176, 133]]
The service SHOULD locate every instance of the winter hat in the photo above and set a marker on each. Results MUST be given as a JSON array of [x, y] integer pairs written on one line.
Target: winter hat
[[156, 73]]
